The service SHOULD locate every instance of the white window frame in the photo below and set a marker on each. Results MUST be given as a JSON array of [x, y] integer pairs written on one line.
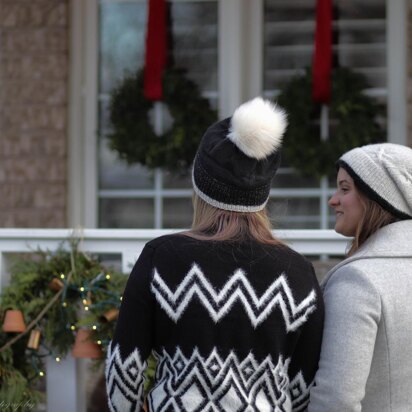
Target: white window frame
[[240, 65]]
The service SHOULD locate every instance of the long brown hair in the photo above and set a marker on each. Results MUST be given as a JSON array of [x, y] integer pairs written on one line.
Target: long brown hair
[[374, 217], [211, 223]]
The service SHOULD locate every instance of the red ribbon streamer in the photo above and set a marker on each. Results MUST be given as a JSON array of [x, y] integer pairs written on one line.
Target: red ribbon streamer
[[322, 61], [156, 50]]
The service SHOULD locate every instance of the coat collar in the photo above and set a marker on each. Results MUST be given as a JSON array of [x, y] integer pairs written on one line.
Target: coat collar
[[391, 241]]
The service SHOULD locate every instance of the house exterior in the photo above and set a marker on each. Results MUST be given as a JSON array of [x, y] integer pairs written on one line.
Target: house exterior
[[60, 59]]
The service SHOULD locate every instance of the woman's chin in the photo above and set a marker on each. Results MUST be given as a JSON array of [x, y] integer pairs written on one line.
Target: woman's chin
[[343, 231]]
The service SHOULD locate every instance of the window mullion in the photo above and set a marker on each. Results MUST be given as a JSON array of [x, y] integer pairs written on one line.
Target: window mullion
[[158, 175]]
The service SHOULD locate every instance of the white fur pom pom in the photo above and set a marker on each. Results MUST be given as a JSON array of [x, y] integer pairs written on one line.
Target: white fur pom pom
[[257, 128]]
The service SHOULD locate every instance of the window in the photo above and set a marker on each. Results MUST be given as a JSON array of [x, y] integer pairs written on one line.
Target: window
[[234, 50], [134, 197], [359, 42]]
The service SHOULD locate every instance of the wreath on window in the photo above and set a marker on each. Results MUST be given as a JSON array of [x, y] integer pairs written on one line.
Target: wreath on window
[[132, 135], [353, 122]]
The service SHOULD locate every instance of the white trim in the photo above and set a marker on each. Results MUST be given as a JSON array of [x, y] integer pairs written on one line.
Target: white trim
[[240, 51], [397, 52], [230, 61], [253, 48], [158, 199], [75, 184], [309, 242], [187, 193], [90, 130], [82, 115]]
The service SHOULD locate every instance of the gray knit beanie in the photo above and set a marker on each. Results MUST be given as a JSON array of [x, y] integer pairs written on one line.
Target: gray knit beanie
[[383, 172]]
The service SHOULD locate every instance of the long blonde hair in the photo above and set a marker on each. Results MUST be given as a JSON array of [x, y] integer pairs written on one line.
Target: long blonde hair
[[374, 217], [211, 223]]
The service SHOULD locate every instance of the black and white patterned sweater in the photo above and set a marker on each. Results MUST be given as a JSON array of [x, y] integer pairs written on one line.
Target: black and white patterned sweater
[[234, 326]]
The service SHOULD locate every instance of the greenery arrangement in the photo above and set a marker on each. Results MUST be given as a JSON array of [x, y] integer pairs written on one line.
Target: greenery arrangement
[[353, 121], [88, 291], [133, 137]]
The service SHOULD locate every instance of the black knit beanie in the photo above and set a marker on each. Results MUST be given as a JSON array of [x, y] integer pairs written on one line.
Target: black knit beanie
[[238, 157]]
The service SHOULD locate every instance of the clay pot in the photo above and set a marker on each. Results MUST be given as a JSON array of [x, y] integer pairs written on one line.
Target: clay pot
[[14, 321], [56, 284], [84, 347]]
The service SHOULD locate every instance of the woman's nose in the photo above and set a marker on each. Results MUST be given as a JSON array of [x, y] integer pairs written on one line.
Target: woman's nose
[[333, 201]]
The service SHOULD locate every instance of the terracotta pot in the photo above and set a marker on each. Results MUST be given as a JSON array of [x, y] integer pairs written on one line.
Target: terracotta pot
[[14, 321], [56, 284], [84, 347]]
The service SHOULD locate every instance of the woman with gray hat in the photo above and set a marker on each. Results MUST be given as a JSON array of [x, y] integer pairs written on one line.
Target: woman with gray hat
[[233, 315], [366, 356]]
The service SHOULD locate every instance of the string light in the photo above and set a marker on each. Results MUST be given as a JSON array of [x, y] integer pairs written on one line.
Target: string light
[[62, 276], [86, 308], [58, 359], [73, 327], [41, 373], [108, 276], [64, 304], [121, 298], [82, 289], [84, 301], [99, 342], [94, 327]]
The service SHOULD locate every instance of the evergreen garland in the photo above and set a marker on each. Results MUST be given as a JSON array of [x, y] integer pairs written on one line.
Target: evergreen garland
[[132, 135], [87, 284], [353, 122]]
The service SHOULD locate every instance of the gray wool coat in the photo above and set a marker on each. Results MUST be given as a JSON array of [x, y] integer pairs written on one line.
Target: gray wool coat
[[366, 355]]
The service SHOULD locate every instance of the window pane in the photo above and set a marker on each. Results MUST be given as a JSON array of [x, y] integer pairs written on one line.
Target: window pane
[[288, 178], [177, 180], [177, 213], [294, 213], [359, 38], [194, 41], [122, 36], [116, 174], [126, 213]]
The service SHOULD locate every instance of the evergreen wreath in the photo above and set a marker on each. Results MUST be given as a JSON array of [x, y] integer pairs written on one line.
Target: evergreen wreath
[[353, 122], [133, 137]]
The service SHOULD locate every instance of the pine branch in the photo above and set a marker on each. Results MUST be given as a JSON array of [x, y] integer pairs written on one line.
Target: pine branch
[[52, 301], [36, 320]]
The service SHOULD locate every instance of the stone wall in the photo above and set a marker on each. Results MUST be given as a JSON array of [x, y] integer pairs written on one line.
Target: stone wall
[[33, 112]]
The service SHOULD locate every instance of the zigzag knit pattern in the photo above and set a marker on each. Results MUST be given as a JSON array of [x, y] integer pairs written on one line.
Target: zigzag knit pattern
[[220, 384], [237, 289], [124, 380]]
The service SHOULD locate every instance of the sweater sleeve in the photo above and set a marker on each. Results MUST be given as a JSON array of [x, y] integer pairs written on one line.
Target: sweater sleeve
[[132, 341], [352, 315], [304, 361]]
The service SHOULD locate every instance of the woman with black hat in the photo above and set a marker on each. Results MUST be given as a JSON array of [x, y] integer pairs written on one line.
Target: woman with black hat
[[366, 357], [233, 315]]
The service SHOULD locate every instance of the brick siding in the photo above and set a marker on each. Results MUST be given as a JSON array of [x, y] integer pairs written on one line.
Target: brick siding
[[33, 113]]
